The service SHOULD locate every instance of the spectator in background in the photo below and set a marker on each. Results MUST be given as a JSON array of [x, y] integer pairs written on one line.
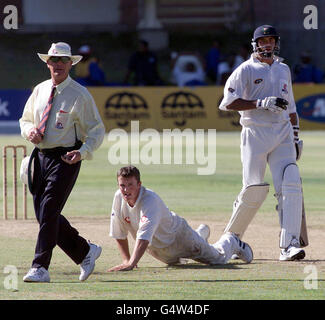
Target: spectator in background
[[212, 61], [225, 69], [242, 55], [307, 72], [88, 72], [230, 63], [187, 70], [143, 67]]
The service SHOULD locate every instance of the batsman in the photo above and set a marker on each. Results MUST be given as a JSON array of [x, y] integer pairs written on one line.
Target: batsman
[[260, 89]]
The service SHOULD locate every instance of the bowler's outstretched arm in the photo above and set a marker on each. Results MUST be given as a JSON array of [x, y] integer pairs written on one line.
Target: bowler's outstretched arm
[[139, 250]]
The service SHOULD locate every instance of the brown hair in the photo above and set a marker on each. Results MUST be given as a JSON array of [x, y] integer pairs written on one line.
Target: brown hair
[[129, 171]]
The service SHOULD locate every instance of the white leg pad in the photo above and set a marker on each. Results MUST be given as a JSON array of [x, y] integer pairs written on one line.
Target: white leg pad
[[290, 208], [245, 207]]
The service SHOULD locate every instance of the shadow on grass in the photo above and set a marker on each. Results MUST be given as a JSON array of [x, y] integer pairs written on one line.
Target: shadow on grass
[[215, 280], [188, 266], [304, 261], [185, 281], [163, 269]]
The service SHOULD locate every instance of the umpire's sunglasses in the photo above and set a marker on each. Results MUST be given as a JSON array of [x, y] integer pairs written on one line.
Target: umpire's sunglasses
[[62, 59]]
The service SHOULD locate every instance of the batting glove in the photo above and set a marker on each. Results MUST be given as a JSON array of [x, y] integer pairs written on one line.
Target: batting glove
[[272, 104]]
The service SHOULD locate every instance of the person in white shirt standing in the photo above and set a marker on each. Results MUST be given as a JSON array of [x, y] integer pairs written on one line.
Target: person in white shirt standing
[[161, 232], [61, 119], [260, 89]]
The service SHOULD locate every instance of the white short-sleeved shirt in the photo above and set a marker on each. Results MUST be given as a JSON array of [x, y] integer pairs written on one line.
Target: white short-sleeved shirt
[[254, 80], [149, 219]]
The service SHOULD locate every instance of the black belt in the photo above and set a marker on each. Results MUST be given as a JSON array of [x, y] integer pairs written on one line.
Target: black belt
[[61, 150]]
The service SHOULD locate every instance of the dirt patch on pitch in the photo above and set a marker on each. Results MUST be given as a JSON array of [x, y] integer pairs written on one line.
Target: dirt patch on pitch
[[264, 239]]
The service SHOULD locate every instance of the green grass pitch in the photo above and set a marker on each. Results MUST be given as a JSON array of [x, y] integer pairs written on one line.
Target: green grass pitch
[[199, 199]]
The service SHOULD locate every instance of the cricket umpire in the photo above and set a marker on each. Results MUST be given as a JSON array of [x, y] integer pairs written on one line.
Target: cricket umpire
[[260, 89], [165, 235], [61, 119]]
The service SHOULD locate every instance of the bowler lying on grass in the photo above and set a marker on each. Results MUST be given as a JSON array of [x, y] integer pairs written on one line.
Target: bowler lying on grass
[[165, 235]]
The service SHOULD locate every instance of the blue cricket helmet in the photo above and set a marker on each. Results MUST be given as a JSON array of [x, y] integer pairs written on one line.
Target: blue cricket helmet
[[266, 31]]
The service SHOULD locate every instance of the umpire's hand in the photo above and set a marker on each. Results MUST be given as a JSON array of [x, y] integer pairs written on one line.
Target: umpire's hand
[[34, 136], [71, 157]]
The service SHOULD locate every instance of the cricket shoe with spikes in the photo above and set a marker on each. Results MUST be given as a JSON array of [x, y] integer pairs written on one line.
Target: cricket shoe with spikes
[[88, 264], [293, 252], [244, 251], [37, 275]]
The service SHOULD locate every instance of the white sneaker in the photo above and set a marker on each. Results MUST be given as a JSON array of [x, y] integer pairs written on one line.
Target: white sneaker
[[244, 252], [88, 264], [204, 231], [293, 252], [37, 275]]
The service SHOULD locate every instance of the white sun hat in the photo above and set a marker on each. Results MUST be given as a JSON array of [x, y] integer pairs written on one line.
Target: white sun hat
[[60, 49]]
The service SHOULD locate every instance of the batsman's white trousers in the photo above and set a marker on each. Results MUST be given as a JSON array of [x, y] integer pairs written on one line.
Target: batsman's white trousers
[[189, 244], [266, 144], [274, 145]]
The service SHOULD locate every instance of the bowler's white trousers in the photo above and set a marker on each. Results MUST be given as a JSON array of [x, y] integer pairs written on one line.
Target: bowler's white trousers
[[189, 244]]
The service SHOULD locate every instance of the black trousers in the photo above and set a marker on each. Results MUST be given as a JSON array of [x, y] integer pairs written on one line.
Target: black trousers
[[53, 183]]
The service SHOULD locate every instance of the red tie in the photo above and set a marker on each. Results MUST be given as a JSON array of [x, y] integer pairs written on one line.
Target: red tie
[[42, 125]]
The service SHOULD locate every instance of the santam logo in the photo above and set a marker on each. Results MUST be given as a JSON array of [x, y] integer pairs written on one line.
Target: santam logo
[[312, 108]]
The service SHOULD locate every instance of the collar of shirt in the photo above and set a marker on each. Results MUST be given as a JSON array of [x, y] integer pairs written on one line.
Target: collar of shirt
[[276, 60], [256, 60], [139, 197], [60, 87]]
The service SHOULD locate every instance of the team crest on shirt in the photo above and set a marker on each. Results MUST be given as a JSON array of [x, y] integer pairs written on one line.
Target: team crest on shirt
[[257, 81], [127, 219], [285, 88], [59, 125]]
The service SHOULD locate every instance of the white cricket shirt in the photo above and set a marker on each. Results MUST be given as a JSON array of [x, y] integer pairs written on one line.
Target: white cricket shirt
[[254, 80], [149, 219], [73, 104]]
